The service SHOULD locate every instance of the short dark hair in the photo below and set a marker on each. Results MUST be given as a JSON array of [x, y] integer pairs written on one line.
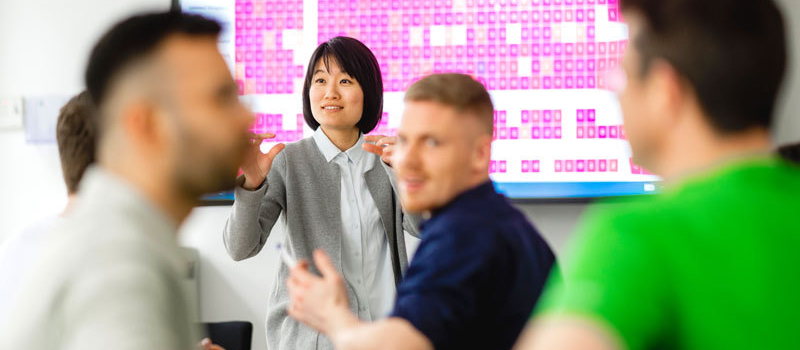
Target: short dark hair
[[459, 91], [732, 53], [356, 60], [76, 137], [790, 152], [135, 38]]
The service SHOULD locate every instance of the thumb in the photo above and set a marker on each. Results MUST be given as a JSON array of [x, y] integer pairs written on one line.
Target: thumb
[[267, 158], [324, 264]]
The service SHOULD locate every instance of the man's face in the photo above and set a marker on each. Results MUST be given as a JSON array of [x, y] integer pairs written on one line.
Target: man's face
[[210, 126], [438, 155]]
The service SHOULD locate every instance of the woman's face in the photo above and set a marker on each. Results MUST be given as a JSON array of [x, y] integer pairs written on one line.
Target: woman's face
[[337, 100]]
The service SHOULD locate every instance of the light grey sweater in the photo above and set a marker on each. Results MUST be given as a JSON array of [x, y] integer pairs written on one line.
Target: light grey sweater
[[306, 188]]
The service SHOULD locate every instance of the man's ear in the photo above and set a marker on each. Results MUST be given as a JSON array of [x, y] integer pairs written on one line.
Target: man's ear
[[140, 120], [666, 92], [483, 152]]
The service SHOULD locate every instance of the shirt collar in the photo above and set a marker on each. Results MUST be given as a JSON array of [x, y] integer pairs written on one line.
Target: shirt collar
[[477, 194], [330, 151], [101, 187]]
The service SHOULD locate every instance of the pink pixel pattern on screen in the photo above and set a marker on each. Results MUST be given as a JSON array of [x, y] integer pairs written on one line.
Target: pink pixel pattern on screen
[[586, 165], [587, 128], [273, 123], [386, 27], [535, 125], [403, 36], [263, 64]]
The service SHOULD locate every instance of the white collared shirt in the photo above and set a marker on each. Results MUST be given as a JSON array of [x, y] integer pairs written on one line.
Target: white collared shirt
[[366, 263]]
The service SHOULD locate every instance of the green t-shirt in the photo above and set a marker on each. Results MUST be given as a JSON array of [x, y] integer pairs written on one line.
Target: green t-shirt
[[713, 263]]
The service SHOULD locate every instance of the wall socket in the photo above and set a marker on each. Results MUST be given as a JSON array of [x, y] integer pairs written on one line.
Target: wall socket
[[11, 112], [41, 116]]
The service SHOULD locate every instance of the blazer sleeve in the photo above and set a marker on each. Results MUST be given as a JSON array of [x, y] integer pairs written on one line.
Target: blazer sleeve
[[254, 213], [411, 221]]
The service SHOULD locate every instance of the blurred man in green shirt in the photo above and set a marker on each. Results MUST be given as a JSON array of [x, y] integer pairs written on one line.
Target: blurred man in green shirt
[[713, 262]]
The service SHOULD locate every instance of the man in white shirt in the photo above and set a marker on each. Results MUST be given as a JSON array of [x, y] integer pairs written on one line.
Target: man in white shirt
[[75, 135], [171, 128]]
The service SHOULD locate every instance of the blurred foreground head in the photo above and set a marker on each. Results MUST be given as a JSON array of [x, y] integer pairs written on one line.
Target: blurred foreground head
[[168, 106], [699, 73]]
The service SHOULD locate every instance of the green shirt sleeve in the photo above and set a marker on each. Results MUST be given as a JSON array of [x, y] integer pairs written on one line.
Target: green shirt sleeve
[[613, 274]]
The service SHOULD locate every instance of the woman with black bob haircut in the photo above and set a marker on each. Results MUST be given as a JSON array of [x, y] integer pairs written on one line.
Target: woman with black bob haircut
[[334, 194]]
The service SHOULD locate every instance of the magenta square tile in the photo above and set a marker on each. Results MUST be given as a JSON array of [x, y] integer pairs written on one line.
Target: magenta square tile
[[535, 166], [548, 115], [547, 82], [525, 116], [591, 132], [581, 115], [580, 165], [580, 132], [602, 132], [547, 133], [591, 115], [591, 165], [503, 133], [613, 131], [557, 132], [493, 166], [558, 166], [526, 166], [535, 116], [536, 133], [612, 165], [514, 133], [503, 166], [602, 165], [569, 166]]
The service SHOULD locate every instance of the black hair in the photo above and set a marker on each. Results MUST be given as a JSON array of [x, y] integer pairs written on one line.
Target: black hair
[[135, 38], [732, 53], [356, 60]]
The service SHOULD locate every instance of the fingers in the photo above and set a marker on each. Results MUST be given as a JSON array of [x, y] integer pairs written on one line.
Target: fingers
[[300, 276], [265, 135], [387, 141], [275, 150], [373, 138], [372, 148], [324, 264], [267, 158]]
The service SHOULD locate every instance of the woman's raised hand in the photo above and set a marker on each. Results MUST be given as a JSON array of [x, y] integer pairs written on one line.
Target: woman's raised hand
[[257, 164]]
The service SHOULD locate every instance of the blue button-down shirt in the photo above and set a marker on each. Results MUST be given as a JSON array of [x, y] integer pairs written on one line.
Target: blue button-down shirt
[[476, 275]]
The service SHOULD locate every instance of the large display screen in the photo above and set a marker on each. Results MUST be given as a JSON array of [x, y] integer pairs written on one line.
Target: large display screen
[[558, 125]]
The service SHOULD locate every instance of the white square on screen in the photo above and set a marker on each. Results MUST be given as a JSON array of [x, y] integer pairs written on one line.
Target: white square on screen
[[459, 35], [514, 34], [524, 66], [438, 36]]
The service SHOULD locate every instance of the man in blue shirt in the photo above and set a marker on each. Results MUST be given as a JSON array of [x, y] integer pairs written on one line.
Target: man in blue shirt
[[481, 265]]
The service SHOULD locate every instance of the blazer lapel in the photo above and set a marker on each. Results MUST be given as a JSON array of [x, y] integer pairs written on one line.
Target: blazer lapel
[[381, 191]]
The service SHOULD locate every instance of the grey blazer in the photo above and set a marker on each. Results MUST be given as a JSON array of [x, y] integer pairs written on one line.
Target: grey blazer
[[306, 188]]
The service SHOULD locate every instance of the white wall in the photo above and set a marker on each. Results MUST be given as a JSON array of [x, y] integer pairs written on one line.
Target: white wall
[[43, 48]]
